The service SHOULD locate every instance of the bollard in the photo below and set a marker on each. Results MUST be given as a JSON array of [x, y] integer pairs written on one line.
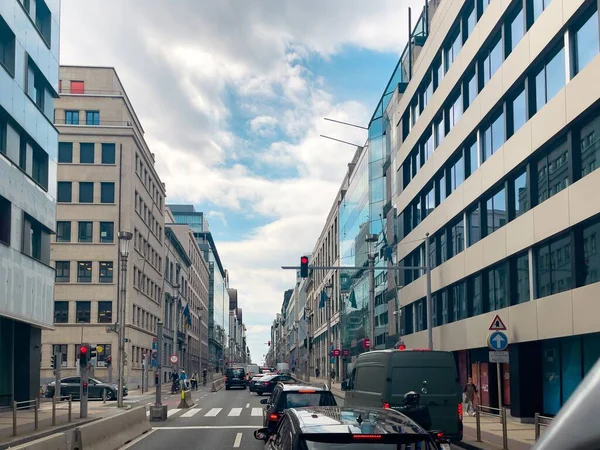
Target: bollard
[[504, 430], [53, 411], [70, 404], [14, 418], [37, 407], [536, 425], [478, 423]]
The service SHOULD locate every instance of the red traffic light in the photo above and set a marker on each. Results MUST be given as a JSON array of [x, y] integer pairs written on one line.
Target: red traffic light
[[304, 260], [85, 385], [83, 350]]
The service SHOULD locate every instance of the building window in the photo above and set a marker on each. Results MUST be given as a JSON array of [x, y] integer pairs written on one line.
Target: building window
[[497, 287], [457, 238], [442, 188], [86, 153], [475, 291], [61, 312], [538, 7], [459, 301], [521, 193], [474, 225], [496, 211], [84, 271], [429, 199], [427, 152], [455, 111], [519, 111], [64, 192], [102, 358], [520, 273], [553, 172], [43, 20], [63, 271], [589, 146], [472, 153], [77, 87], [586, 40], [106, 272], [86, 230], [63, 231], [72, 117], [553, 266], [516, 28], [550, 79], [427, 92], [107, 232], [492, 137], [7, 47], [36, 239], [86, 192], [36, 85], [591, 260], [65, 152], [469, 19], [105, 312], [456, 174], [107, 192], [5, 220], [108, 153], [62, 349], [92, 117], [470, 89], [82, 311], [492, 61], [454, 46], [439, 131]]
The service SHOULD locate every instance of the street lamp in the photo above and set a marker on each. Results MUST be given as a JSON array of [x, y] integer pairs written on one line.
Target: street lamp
[[328, 294], [124, 240], [371, 238]]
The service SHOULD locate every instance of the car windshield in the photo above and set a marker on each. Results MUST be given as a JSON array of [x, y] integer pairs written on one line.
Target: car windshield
[[302, 399], [235, 372]]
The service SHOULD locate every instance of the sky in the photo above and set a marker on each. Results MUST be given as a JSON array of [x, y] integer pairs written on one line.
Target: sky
[[232, 95]]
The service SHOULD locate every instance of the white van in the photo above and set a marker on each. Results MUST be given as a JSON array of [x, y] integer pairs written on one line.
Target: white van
[[252, 370]]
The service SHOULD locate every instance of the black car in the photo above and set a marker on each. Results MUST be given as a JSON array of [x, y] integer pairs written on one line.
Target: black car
[[268, 383], [287, 396], [254, 382], [235, 377], [347, 428], [96, 388]]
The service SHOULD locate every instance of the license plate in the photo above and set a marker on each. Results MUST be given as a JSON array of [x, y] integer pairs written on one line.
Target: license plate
[[445, 446]]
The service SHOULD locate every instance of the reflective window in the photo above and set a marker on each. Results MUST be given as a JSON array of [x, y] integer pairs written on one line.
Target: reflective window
[[553, 172], [484, 5], [473, 155], [589, 146], [538, 7], [492, 137], [107, 192], [427, 93], [492, 60], [497, 287], [439, 131], [72, 117], [519, 111], [105, 312], [64, 192], [65, 152], [454, 46], [417, 213], [82, 312], [86, 192], [586, 42], [550, 79], [591, 257], [429, 201], [92, 117], [85, 231], [441, 182], [84, 271], [470, 89], [7, 47], [521, 192], [455, 111], [63, 271], [470, 19], [474, 225], [63, 231], [108, 153], [521, 275], [496, 211], [107, 232], [459, 301], [427, 148], [86, 153], [61, 312], [516, 27], [433, 253], [475, 294], [439, 68], [553, 267], [414, 113], [457, 238], [456, 174], [443, 247], [106, 272]]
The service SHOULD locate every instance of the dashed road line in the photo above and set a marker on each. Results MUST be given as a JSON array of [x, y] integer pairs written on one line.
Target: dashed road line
[[213, 412], [238, 440]]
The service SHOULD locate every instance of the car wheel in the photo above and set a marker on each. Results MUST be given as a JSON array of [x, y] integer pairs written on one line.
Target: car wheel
[[110, 395]]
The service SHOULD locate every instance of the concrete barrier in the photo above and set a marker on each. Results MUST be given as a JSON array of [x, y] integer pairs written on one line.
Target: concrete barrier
[[186, 399], [112, 432], [217, 385], [56, 441]]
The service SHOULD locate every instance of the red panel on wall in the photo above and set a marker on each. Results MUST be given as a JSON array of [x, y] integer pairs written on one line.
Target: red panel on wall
[[484, 387], [77, 87], [506, 384]]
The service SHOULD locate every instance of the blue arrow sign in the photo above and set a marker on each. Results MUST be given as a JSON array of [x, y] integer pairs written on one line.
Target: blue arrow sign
[[497, 341]]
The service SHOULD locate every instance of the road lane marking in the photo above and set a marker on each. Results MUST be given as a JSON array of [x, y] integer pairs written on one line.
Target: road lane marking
[[238, 440], [256, 412], [235, 412], [172, 411], [135, 441], [247, 405], [191, 412], [209, 427], [213, 412]]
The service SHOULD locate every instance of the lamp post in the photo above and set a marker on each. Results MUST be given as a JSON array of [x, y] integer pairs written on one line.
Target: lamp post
[[328, 293], [124, 241], [371, 238]]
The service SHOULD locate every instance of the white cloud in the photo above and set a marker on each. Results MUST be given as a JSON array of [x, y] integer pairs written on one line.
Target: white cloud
[[180, 61], [218, 215]]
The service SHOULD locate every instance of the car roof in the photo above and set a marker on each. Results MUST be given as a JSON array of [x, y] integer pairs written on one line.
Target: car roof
[[355, 420], [302, 387]]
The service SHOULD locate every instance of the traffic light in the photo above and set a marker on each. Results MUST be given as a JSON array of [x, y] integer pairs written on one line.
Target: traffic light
[[53, 361], [304, 267], [85, 388], [269, 343], [83, 355], [93, 351], [108, 361]]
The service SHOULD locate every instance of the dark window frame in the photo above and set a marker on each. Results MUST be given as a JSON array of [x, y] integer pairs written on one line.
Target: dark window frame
[[84, 225], [111, 238], [109, 152], [64, 184], [60, 314], [83, 311], [106, 272], [84, 275], [65, 147], [86, 185], [63, 271], [105, 196]]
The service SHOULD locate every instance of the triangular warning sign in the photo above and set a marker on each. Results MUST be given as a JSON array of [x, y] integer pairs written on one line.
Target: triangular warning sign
[[497, 324]]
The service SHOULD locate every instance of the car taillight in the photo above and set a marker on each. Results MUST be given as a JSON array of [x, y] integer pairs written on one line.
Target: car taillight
[[386, 406], [274, 417], [265, 383], [439, 435], [460, 411]]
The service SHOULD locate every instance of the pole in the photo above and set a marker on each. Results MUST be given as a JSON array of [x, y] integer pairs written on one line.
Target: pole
[[328, 314], [429, 302], [122, 331], [175, 339], [83, 392], [498, 375], [58, 362], [159, 357], [371, 300], [308, 352]]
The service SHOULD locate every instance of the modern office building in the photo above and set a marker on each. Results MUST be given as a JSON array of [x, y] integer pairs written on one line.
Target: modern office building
[[218, 298], [29, 43], [107, 183], [490, 121]]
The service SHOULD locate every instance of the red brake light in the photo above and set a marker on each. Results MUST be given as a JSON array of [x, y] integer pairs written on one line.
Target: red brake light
[[402, 347], [460, 412], [85, 385], [274, 417], [439, 435], [386, 406], [366, 437]]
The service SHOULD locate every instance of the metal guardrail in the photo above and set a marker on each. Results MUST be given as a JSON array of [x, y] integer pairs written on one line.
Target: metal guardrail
[[26, 404], [69, 408], [492, 412], [539, 422]]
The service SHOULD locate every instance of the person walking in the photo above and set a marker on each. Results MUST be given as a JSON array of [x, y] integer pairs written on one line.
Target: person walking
[[194, 381], [469, 393], [317, 372]]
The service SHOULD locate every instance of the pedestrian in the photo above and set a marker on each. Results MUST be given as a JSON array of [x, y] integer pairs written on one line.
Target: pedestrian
[[204, 377], [469, 393], [175, 385], [183, 378], [332, 375], [194, 381], [318, 372]]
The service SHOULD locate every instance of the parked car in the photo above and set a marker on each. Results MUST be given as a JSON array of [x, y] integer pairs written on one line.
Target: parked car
[[319, 428], [267, 383], [287, 396], [382, 378], [235, 377], [96, 388]]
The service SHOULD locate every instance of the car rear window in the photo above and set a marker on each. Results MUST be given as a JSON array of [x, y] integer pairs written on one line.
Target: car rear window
[[235, 372], [303, 399]]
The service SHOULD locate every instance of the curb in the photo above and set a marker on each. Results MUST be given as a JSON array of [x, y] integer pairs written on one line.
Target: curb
[[46, 433]]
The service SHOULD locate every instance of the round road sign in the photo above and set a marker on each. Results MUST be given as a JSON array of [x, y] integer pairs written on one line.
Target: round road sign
[[99, 348], [173, 359]]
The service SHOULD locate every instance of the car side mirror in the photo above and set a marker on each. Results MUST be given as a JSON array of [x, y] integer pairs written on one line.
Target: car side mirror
[[344, 385], [262, 434], [264, 401]]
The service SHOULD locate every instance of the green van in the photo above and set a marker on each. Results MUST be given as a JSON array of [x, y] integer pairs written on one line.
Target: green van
[[381, 378]]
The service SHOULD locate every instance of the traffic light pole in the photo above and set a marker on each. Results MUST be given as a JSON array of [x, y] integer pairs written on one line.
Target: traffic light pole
[[121, 362], [57, 366], [83, 392], [159, 333]]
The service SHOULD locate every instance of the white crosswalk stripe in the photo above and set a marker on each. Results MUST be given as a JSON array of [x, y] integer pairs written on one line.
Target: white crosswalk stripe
[[235, 412], [191, 412], [172, 411], [213, 412], [257, 411]]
